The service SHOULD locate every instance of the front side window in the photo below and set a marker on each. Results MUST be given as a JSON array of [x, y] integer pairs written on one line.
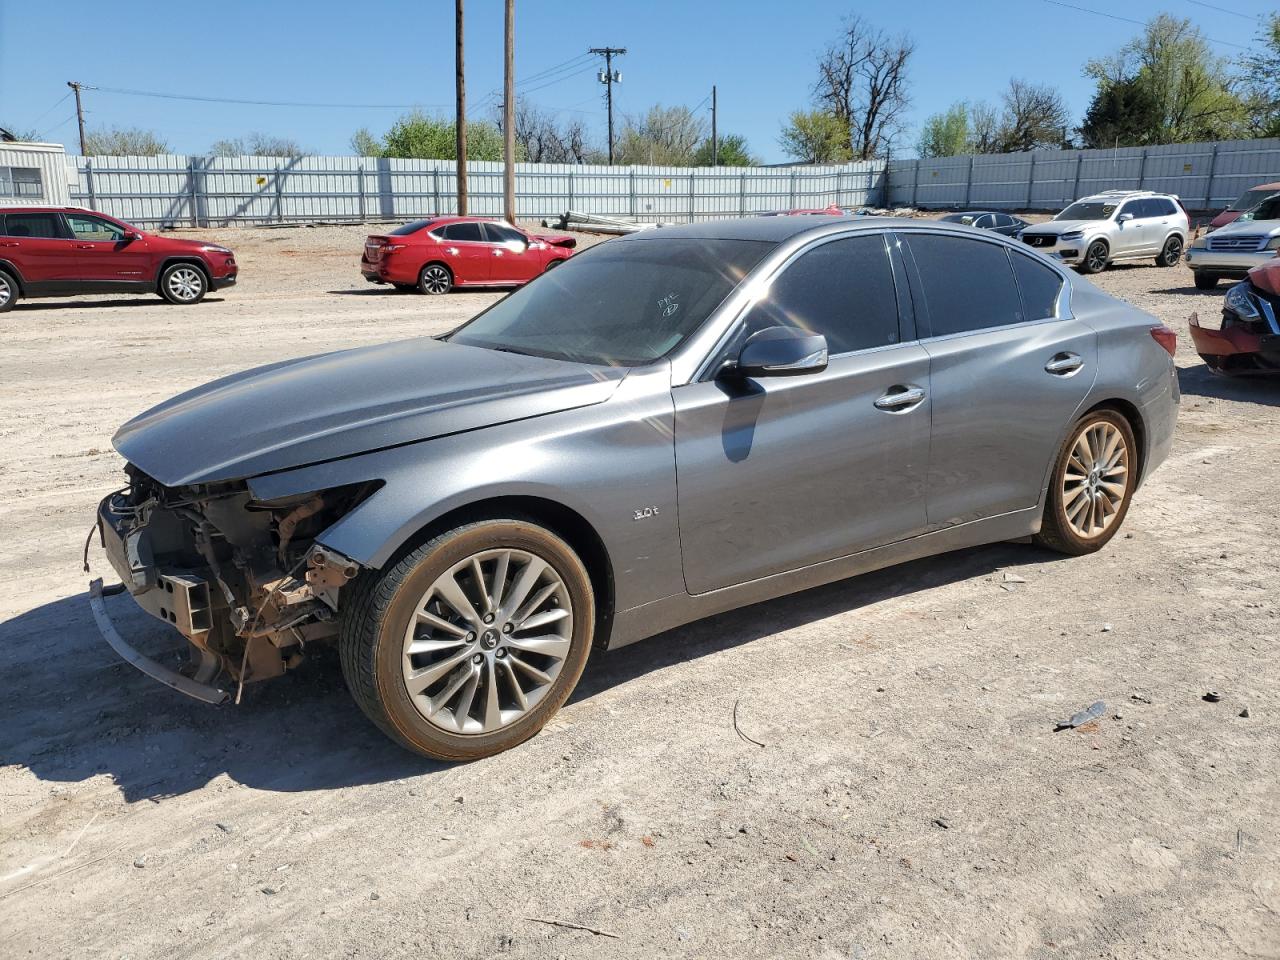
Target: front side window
[[968, 283], [94, 228], [465, 232], [842, 289], [35, 225], [498, 233], [621, 303]]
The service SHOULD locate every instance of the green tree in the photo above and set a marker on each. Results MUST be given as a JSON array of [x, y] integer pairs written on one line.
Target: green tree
[[1119, 115], [1190, 88], [124, 142], [662, 135], [420, 136], [1262, 82], [365, 144], [731, 151], [816, 136], [946, 134]]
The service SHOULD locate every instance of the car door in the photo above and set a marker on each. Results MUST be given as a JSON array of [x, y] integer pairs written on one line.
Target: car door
[[1133, 237], [514, 259], [776, 473], [104, 253], [467, 252], [1008, 371], [39, 245]]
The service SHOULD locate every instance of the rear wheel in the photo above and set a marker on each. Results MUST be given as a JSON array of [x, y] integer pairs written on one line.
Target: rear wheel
[[183, 283], [1205, 281], [1095, 258], [8, 291], [435, 279], [1171, 253], [1091, 486], [550, 264], [471, 643]]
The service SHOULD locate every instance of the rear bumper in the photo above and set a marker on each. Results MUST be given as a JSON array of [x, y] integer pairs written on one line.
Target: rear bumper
[[1227, 265]]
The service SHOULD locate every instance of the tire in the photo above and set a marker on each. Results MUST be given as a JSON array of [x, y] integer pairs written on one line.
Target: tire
[[1205, 281], [435, 279], [389, 637], [551, 264], [1170, 253], [1068, 525], [1095, 258], [183, 283], [8, 291]]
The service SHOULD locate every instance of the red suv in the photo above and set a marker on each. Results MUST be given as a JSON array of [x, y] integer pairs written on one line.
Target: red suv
[[436, 255], [55, 251]]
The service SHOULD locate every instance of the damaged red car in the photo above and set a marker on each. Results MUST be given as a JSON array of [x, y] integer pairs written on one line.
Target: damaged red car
[[1247, 340], [434, 256]]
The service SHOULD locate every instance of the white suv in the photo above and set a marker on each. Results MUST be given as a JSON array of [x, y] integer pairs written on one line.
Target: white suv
[[1116, 225]]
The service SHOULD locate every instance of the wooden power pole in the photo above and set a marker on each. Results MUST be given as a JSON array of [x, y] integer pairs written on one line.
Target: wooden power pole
[[460, 83], [509, 118], [609, 77], [79, 115], [715, 144]]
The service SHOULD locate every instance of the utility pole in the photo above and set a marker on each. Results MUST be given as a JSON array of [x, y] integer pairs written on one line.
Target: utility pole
[[509, 118], [715, 144], [460, 83], [79, 114], [609, 77]]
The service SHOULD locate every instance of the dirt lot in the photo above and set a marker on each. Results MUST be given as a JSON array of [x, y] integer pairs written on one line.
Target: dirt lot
[[910, 798]]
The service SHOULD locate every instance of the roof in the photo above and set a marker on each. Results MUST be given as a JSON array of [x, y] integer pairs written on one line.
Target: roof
[[1266, 186], [775, 229]]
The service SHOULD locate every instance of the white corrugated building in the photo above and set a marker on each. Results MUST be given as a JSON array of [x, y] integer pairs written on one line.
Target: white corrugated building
[[34, 173]]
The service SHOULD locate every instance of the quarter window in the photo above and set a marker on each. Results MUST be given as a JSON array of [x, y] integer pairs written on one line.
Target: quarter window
[[1040, 286], [43, 225], [968, 284], [843, 290], [467, 232]]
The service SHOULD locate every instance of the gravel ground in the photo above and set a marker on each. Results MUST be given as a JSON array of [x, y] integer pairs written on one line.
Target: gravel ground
[[906, 795]]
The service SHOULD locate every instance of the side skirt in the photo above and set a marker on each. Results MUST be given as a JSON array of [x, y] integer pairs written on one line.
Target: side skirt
[[665, 614]]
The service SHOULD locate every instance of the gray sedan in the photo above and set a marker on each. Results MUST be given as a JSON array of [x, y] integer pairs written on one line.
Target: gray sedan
[[669, 425]]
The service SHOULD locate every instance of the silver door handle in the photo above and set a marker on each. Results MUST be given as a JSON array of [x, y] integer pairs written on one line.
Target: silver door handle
[[1064, 364], [900, 398]]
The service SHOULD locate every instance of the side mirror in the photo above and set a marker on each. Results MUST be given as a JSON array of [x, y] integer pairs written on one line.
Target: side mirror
[[1125, 217], [782, 352], [132, 235]]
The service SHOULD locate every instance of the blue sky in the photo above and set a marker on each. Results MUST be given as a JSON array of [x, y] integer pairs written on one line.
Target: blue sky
[[760, 54]]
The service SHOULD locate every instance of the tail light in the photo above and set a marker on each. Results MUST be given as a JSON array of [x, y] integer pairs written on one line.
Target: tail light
[[1165, 337]]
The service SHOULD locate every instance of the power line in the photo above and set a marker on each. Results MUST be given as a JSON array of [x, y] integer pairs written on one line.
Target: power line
[[1209, 6], [1140, 23], [262, 103], [590, 68], [571, 62], [57, 126], [62, 99]]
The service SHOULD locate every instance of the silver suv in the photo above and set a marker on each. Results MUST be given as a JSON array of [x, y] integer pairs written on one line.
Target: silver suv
[[1115, 225]]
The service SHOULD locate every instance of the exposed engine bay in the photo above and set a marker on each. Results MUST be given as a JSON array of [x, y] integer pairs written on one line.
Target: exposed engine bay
[[244, 581]]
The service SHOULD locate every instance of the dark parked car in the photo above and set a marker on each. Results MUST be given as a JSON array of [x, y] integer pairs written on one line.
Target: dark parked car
[[56, 251], [434, 256], [469, 516], [1002, 223]]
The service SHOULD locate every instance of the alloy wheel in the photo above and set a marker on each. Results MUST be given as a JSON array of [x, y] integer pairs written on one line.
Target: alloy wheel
[[1096, 258], [488, 639], [435, 279], [1095, 479], [1172, 252], [6, 291], [185, 284]]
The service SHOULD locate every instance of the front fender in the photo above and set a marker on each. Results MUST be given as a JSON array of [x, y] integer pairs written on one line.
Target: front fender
[[609, 463]]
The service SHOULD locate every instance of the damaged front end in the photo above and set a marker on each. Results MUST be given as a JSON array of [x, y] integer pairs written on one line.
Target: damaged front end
[[244, 581]]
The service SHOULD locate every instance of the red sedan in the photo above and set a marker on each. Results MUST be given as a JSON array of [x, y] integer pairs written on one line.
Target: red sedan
[[436, 255]]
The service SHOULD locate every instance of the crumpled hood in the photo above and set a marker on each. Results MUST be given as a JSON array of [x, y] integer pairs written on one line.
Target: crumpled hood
[[1062, 226], [334, 405], [1267, 277]]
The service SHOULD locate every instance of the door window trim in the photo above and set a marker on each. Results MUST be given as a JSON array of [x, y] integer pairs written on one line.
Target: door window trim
[[907, 332], [917, 285]]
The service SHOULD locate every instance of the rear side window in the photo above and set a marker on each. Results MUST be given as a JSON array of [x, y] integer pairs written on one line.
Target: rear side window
[[842, 290], [33, 225], [968, 284], [1165, 207], [463, 231], [1040, 286]]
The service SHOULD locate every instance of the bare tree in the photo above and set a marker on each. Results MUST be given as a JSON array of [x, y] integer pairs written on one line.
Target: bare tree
[[664, 135], [1034, 116], [540, 138], [984, 128], [257, 145], [862, 81]]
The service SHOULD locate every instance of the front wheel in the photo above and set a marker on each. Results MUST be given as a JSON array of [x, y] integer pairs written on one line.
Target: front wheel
[[470, 643], [1205, 281], [8, 291], [435, 279], [1091, 486], [1095, 258], [183, 283], [1171, 253]]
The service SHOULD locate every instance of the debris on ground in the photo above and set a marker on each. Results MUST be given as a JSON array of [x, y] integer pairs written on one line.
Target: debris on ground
[[573, 926], [1087, 715], [1244, 713], [1213, 696], [942, 822]]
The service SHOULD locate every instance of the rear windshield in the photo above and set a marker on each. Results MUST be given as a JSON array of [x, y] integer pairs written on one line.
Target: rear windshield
[[1087, 210], [409, 228], [1250, 198], [621, 303]]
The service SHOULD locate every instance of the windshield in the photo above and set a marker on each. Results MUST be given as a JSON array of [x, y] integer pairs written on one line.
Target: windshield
[[409, 228], [1249, 199], [1268, 209], [1087, 210], [621, 303]]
